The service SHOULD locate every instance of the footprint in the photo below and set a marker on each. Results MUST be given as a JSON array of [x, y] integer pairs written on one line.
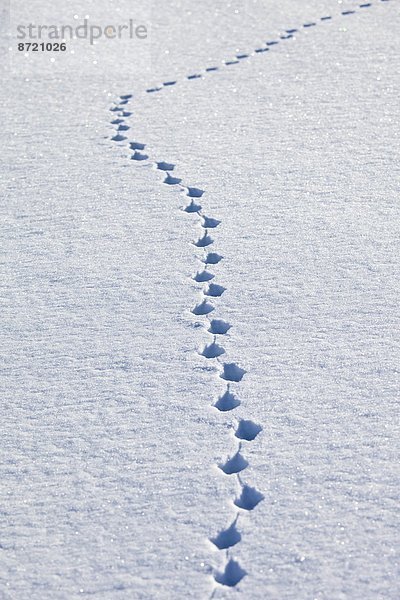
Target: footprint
[[139, 156], [241, 56], [291, 31], [126, 96], [154, 89], [203, 308], [247, 430], [164, 166], [219, 327], [214, 290], [366, 5], [227, 538], [202, 276], [326, 18], [212, 351], [262, 50], [309, 24], [204, 241], [118, 138], [348, 12], [286, 37], [169, 180], [232, 372], [210, 223], [115, 109], [192, 207], [117, 121], [123, 127], [227, 401], [195, 76], [232, 574], [210, 69], [272, 43], [125, 113], [123, 102], [249, 498], [212, 258], [234, 465], [137, 146], [167, 83], [231, 62], [193, 192]]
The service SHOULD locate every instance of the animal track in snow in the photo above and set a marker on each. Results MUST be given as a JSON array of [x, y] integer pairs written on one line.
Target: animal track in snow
[[232, 372], [212, 350], [169, 180], [227, 402], [139, 156], [203, 308], [204, 241], [247, 430], [212, 258], [164, 166], [249, 498], [210, 223], [219, 327], [202, 276], [118, 138], [137, 146], [228, 537], [232, 574], [233, 465], [193, 192], [214, 290]]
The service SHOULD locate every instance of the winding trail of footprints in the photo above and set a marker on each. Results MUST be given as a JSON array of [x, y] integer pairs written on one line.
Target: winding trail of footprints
[[246, 430]]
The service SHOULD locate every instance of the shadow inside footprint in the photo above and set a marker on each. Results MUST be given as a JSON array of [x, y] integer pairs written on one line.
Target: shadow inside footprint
[[218, 326], [169, 180], [192, 207], [212, 351], [249, 498], [226, 402], [210, 223], [232, 372], [203, 308], [202, 276], [204, 241], [139, 156], [123, 127], [234, 465], [232, 574], [247, 430], [164, 166], [118, 138], [214, 290], [137, 146], [193, 192], [227, 538], [212, 258], [117, 121]]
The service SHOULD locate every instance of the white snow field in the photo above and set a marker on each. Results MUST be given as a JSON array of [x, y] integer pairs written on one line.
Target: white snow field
[[142, 456]]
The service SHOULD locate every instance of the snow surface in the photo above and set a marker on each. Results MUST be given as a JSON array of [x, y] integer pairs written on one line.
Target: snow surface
[[116, 468]]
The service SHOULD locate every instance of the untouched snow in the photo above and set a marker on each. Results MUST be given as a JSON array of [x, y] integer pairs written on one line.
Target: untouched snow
[[118, 475]]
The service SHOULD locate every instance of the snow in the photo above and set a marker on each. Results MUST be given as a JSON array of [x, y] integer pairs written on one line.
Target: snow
[[131, 438]]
